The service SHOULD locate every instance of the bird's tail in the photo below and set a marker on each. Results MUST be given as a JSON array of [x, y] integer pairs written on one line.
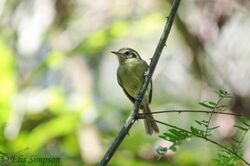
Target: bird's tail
[[150, 124]]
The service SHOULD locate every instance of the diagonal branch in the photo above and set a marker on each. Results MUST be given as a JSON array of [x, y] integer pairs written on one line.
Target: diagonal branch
[[131, 119]]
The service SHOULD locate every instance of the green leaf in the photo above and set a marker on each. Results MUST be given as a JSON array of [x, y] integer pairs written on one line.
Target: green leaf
[[233, 147], [246, 124], [173, 148], [198, 122], [162, 136], [224, 94], [208, 104], [194, 130], [180, 134], [197, 132], [213, 128], [235, 140], [205, 121], [241, 128], [202, 123], [226, 159], [170, 137]]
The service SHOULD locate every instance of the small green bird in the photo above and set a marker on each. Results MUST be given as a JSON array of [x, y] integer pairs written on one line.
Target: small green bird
[[130, 76]]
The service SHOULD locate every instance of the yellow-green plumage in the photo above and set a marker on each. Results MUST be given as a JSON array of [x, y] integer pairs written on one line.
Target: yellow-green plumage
[[130, 76]]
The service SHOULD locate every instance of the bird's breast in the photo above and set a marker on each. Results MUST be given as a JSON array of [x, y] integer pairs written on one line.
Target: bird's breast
[[131, 77]]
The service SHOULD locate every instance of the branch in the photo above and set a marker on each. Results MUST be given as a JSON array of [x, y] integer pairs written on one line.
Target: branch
[[133, 116], [193, 111]]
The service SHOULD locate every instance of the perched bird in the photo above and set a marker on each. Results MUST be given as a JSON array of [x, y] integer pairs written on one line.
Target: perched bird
[[130, 76]]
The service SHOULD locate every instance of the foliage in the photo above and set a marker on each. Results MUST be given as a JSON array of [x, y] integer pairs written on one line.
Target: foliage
[[229, 155]]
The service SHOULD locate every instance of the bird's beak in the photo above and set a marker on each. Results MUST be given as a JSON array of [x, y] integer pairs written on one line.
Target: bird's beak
[[116, 53]]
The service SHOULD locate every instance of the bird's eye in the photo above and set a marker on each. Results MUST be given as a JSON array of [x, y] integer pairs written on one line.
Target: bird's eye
[[126, 53]]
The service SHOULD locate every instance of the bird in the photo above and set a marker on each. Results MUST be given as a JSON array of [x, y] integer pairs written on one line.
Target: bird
[[130, 76]]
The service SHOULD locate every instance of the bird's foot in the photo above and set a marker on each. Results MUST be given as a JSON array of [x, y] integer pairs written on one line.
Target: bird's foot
[[138, 98]]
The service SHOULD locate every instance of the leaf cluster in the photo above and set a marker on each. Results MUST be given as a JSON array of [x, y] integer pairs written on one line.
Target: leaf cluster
[[229, 155]]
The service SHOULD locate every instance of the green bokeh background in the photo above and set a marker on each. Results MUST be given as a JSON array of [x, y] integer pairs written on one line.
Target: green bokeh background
[[58, 90]]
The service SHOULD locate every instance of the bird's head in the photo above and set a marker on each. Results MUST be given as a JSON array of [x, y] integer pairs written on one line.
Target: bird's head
[[126, 53]]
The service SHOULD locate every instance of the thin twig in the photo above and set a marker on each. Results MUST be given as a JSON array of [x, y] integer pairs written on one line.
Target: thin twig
[[131, 119], [211, 115], [193, 111]]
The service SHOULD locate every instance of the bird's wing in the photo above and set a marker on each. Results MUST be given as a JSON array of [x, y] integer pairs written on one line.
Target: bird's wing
[[131, 98]]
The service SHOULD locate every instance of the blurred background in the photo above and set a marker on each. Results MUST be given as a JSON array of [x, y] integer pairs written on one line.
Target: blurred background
[[58, 90]]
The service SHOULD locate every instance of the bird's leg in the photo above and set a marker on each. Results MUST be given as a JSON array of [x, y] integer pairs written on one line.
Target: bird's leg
[[146, 73]]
